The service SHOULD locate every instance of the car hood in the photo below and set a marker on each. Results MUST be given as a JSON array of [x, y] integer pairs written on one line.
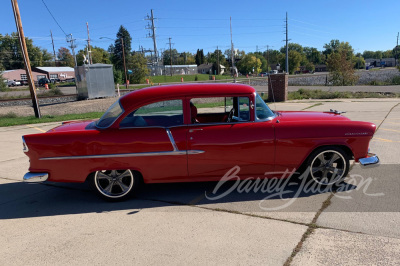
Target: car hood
[[74, 126], [295, 116]]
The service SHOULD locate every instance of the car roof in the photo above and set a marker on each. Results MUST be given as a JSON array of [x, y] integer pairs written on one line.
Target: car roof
[[182, 90]]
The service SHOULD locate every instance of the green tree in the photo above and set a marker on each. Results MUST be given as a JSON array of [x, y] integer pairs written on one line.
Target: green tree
[[293, 47], [313, 55], [248, 63], [99, 55], [199, 57], [341, 69], [368, 54], [295, 58], [337, 46], [65, 58], [167, 57], [117, 56], [185, 58], [358, 62], [10, 52], [138, 64]]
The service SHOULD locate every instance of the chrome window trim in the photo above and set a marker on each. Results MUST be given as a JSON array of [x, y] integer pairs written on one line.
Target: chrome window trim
[[171, 139]]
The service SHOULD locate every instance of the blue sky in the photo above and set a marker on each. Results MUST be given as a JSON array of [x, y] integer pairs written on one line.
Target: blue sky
[[366, 25]]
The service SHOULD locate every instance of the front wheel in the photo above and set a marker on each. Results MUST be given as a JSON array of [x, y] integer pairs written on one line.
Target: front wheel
[[115, 185], [328, 165]]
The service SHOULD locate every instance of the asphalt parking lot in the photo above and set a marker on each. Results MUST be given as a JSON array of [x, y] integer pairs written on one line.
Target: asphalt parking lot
[[179, 224]]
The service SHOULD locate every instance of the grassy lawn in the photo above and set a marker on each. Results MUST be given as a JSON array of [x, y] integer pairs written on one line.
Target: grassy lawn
[[177, 78], [12, 119], [303, 94]]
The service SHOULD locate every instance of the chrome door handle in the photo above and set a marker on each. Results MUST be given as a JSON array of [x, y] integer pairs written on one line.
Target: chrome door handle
[[194, 129]]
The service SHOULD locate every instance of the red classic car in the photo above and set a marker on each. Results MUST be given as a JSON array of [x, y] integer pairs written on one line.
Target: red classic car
[[189, 133]]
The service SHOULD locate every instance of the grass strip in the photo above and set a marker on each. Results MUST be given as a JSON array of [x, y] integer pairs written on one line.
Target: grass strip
[[11, 119]]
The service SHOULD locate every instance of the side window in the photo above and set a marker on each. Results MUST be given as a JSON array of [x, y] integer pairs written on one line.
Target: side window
[[244, 109], [162, 114], [219, 109]]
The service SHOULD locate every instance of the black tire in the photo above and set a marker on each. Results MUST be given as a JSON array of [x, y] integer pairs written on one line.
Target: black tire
[[328, 165], [115, 185]]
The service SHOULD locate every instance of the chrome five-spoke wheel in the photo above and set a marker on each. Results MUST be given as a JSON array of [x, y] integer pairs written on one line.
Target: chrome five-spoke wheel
[[114, 184], [328, 166]]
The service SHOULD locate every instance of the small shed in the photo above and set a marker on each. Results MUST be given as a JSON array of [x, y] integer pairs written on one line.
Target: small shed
[[94, 81]]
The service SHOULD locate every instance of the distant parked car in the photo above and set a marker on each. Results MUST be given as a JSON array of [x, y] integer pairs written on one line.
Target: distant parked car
[[263, 74], [12, 83], [53, 80], [44, 81], [273, 71]]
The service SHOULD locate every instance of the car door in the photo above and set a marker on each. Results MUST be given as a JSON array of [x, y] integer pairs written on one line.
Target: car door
[[157, 135], [222, 145]]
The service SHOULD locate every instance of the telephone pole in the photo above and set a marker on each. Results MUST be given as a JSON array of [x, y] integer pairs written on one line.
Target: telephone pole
[[233, 61], [267, 58], [153, 35], [123, 56], [218, 61], [396, 63], [72, 45], [170, 55], [287, 46], [54, 51], [25, 55], [89, 49]]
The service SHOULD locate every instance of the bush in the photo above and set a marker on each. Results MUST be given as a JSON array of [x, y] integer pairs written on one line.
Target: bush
[[196, 78], [52, 85], [396, 80], [54, 92]]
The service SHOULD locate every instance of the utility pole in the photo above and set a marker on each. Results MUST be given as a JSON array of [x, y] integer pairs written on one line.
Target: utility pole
[[153, 35], [287, 46], [233, 61], [72, 45], [123, 56], [256, 48], [25, 55], [170, 55], [54, 51], [396, 63], [218, 60], [89, 49], [267, 58]]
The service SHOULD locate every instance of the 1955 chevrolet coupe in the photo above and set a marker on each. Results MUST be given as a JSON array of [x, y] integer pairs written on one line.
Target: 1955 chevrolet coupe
[[190, 133]]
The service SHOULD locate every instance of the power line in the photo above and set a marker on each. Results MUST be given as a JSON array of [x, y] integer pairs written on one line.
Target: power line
[[54, 18]]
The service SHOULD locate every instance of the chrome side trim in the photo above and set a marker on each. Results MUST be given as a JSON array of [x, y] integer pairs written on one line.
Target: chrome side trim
[[119, 155], [171, 139], [35, 177], [371, 161], [25, 147], [175, 151]]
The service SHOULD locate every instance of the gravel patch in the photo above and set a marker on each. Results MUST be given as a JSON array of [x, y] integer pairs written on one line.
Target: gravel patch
[[76, 107]]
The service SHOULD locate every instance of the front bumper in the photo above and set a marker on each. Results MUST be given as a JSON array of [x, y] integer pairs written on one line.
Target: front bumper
[[35, 177], [371, 160]]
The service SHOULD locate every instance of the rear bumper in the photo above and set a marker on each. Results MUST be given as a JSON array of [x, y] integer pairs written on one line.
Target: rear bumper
[[370, 161], [35, 177]]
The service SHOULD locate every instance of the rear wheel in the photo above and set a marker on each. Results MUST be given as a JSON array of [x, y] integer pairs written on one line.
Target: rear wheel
[[328, 165], [115, 185]]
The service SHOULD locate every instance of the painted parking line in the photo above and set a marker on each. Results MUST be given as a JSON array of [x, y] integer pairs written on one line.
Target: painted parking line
[[41, 130], [387, 129], [384, 140]]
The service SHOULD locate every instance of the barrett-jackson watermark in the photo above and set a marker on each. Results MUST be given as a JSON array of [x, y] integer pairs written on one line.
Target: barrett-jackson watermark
[[280, 186]]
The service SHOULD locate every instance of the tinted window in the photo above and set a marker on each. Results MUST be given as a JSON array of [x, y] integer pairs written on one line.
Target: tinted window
[[110, 115], [164, 114]]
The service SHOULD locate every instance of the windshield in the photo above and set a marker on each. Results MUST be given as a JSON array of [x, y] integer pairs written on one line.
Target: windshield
[[262, 110], [110, 115]]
